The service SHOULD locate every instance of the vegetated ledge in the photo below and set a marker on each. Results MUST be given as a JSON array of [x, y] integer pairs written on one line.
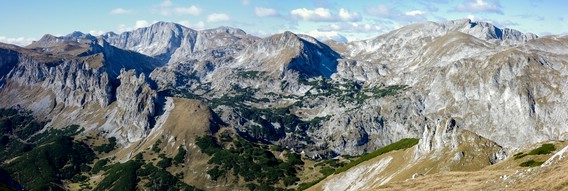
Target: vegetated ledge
[[401, 144], [542, 150]]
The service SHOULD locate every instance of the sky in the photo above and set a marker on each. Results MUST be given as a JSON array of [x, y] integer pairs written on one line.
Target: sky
[[342, 20]]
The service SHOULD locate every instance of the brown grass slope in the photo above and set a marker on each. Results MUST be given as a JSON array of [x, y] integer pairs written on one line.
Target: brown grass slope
[[507, 175]]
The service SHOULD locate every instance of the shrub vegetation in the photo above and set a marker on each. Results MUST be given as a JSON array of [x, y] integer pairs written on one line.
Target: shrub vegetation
[[257, 166]]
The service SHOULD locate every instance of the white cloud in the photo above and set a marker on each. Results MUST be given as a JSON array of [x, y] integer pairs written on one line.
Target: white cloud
[[318, 14], [245, 2], [191, 10], [480, 6], [265, 12], [325, 15], [350, 27], [120, 11], [260, 33], [167, 8], [185, 23], [142, 23], [389, 13], [123, 28], [345, 15], [331, 35], [199, 25], [218, 17], [96, 32], [20, 41], [414, 13]]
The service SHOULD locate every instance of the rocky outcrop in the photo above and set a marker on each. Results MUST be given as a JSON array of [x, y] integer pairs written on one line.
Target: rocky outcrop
[[72, 82], [136, 106], [443, 134]]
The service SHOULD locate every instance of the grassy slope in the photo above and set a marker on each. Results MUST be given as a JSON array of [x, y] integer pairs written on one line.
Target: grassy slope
[[506, 175]]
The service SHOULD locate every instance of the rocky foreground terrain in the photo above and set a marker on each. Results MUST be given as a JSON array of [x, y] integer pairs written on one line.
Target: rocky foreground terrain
[[468, 92]]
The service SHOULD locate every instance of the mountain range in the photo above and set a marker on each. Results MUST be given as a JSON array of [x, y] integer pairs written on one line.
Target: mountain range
[[471, 94]]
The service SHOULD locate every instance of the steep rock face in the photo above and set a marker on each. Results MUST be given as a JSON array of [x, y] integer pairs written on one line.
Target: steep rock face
[[72, 83], [357, 129], [8, 60], [174, 44], [135, 93], [159, 40], [79, 90], [442, 135], [515, 94], [136, 106]]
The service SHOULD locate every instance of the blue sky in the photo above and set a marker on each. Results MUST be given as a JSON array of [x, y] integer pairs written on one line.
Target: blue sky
[[23, 21]]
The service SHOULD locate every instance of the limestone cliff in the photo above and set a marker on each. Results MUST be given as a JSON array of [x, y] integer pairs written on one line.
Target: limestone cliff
[[80, 89]]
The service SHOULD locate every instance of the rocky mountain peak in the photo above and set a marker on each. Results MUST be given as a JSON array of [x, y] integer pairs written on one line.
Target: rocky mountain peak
[[228, 30], [289, 51], [77, 34], [159, 40], [108, 35], [166, 25], [47, 40], [286, 38], [486, 30]]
